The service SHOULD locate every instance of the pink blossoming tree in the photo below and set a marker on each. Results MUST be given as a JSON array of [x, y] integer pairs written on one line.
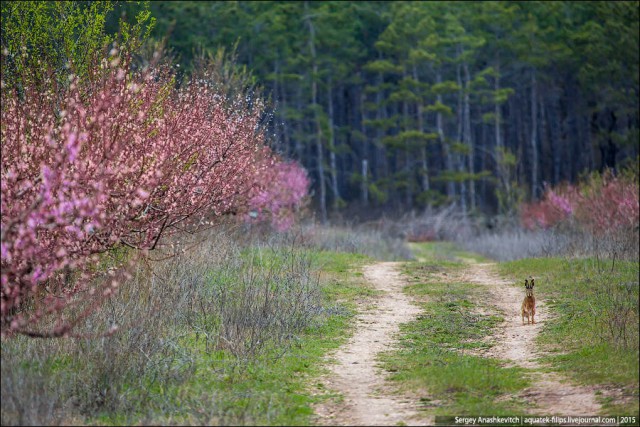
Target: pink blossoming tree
[[122, 160]]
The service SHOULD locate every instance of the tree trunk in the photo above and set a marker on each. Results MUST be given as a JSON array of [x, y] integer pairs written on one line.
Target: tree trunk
[[498, 149], [544, 141], [280, 90], [497, 118], [365, 182], [423, 149], [407, 162], [299, 147], [365, 159], [534, 135], [451, 188], [408, 167], [467, 135], [381, 113], [332, 149], [314, 103], [463, 186], [554, 131], [484, 142]]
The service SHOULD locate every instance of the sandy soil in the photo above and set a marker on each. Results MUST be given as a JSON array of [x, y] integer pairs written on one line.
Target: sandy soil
[[367, 398]]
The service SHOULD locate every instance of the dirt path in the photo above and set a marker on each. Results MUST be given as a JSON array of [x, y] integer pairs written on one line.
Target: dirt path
[[367, 398], [515, 343]]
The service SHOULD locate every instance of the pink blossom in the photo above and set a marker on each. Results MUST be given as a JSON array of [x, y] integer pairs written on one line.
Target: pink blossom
[[561, 203], [112, 170], [281, 196], [600, 204]]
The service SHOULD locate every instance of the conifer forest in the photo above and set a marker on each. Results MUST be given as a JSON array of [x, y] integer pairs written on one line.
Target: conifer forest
[[402, 105]]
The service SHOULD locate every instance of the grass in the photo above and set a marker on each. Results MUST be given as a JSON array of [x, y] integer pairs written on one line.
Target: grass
[[514, 243], [224, 334], [236, 333], [593, 337], [377, 241], [270, 389], [436, 350], [343, 284], [339, 272], [443, 254]]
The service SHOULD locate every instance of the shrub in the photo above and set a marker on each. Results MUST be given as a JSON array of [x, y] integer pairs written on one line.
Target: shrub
[[375, 239], [125, 159], [608, 202], [555, 207], [45, 40], [600, 215], [602, 204], [287, 187]]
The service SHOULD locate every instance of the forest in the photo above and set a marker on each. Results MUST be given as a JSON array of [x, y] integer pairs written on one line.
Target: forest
[[394, 106]]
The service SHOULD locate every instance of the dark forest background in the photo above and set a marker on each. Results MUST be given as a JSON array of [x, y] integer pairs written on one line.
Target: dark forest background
[[394, 106]]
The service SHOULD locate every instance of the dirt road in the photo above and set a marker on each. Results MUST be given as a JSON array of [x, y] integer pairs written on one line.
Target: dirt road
[[368, 399], [550, 394]]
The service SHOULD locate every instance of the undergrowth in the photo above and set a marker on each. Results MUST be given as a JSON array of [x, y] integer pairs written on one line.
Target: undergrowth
[[227, 332]]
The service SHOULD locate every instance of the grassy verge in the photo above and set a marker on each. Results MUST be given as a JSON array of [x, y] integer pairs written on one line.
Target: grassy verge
[[436, 351], [271, 388], [593, 337], [222, 335]]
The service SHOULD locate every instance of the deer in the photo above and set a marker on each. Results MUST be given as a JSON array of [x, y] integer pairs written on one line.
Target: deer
[[529, 303]]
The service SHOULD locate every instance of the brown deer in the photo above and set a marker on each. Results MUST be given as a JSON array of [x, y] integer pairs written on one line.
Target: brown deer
[[529, 303]]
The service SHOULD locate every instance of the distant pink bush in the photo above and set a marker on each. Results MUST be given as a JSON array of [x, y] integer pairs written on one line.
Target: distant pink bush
[[601, 204], [286, 186], [554, 207], [123, 160], [608, 203]]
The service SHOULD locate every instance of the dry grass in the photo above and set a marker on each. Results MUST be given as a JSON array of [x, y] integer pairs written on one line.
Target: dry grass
[[239, 299], [218, 296], [503, 239], [381, 240]]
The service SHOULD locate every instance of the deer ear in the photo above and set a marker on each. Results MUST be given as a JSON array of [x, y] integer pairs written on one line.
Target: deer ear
[[532, 284], [526, 283]]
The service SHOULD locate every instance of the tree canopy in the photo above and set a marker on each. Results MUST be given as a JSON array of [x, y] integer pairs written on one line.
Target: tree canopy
[[408, 104]]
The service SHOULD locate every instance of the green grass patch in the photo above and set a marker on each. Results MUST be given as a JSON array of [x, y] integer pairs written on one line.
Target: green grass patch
[[343, 280], [340, 271], [339, 262], [446, 254], [593, 335], [326, 261], [271, 390]]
